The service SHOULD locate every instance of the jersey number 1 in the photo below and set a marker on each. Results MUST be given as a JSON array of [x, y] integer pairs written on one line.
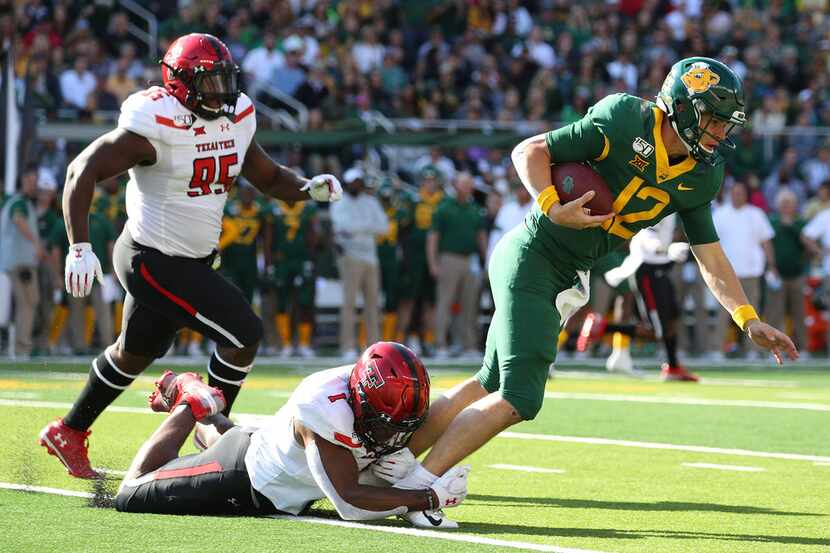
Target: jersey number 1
[[204, 175]]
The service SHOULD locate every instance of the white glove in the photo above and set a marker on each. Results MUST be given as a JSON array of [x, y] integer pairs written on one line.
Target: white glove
[[324, 188], [678, 251], [82, 268], [395, 466], [451, 488]]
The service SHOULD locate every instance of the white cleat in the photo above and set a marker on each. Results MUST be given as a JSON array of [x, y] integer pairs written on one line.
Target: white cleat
[[305, 352], [430, 519], [620, 362]]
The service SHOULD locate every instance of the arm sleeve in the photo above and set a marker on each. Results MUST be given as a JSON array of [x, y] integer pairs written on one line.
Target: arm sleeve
[[579, 141], [698, 224], [346, 510]]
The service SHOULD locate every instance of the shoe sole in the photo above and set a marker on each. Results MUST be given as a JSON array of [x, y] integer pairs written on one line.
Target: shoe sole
[[52, 450]]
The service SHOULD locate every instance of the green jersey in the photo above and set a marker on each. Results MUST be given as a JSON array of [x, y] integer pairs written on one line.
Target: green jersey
[[415, 241], [112, 206], [46, 221], [293, 228], [620, 139], [790, 253], [241, 227]]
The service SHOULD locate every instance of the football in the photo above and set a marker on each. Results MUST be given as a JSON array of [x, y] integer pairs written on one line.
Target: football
[[572, 180]]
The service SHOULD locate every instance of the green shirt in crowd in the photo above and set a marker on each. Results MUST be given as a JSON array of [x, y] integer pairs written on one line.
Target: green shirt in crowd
[[101, 234], [458, 224], [790, 254]]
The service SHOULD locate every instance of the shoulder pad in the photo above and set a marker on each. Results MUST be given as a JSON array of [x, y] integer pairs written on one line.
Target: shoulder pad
[[619, 115], [149, 112]]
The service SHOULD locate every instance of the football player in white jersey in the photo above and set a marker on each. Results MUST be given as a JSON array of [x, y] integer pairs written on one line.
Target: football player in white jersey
[[184, 145], [342, 432]]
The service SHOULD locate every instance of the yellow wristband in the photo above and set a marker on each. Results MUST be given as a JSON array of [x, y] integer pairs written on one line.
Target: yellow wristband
[[547, 198], [743, 314]]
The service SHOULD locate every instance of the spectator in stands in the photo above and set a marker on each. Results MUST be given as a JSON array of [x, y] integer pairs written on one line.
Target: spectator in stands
[[118, 36], [786, 175], [817, 169], [358, 220], [77, 84], [819, 202], [288, 77], [456, 249], [745, 235], [43, 84], [20, 252], [120, 84], [785, 288], [436, 161], [261, 62]]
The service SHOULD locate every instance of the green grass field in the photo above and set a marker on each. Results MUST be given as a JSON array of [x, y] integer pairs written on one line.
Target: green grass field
[[740, 463]]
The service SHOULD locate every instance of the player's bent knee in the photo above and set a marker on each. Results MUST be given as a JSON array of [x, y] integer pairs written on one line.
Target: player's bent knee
[[527, 406]]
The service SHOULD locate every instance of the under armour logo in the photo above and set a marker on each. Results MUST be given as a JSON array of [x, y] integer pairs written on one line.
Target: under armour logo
[[224, 127], [78, 253], [233, 501], [198, 131], [451, 501], [60, 441]]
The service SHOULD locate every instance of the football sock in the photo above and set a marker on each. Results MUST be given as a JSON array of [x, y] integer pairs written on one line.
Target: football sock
[[105, 383], [304, 334], [390, 320], [58, 322], [620, 341], [671, 350], [89, 325], [429, 338], [561, 339], [119, 312], [226, 377], [361, 335], [283, 324]]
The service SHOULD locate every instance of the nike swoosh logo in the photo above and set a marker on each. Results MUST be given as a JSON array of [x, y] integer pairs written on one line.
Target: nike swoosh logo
[[435, 521], [684, 188]]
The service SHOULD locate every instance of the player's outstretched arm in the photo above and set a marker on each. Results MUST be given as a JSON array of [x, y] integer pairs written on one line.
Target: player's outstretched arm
[[335, 472], [721, 279], [278, 181]]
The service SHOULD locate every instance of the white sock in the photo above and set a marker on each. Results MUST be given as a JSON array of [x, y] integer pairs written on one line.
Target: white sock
[[419, 479]]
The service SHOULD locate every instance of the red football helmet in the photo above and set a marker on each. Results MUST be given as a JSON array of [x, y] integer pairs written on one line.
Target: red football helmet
[[199, 71], [389, 395]]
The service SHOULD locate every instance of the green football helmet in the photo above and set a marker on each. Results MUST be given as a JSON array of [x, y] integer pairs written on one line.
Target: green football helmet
[[695, 86]]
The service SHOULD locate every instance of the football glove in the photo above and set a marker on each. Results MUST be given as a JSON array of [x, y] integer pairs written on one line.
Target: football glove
[[395, 466], [451, 488], [82, 268], [324, 188], [678, 251]]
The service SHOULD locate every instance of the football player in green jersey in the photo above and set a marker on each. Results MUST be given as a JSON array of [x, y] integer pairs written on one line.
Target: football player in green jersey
[[398, 210], [243, 227], [657, 158], [293, 275]]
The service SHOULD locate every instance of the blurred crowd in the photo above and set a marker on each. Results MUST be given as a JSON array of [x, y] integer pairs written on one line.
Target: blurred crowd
[[416, 274]]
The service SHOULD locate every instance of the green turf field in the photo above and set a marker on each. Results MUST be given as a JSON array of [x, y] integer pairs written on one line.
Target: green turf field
[[740, 463]]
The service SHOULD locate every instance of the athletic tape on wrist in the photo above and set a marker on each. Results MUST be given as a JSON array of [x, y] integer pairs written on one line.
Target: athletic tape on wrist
[[743, 314], [547, 198]]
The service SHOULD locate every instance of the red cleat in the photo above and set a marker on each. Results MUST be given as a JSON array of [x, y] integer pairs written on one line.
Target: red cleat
[[592, 330], [677, 374], [172, 390], [70, 446]]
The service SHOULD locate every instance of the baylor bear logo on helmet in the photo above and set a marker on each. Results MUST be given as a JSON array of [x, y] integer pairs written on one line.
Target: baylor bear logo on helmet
[[699, 78]]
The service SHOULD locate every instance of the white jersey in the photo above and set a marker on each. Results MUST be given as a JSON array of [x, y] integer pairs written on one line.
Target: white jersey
[[652, 244], [175, 205], [277, 464]]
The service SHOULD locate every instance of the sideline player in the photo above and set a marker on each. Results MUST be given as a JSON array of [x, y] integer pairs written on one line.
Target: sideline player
[[657, 159], [337, 424], [184, 145]]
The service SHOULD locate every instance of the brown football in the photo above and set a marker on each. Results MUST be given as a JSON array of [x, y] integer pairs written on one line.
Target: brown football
[[572, 180]]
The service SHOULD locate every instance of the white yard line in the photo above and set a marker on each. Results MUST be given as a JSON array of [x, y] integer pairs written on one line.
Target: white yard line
[[521, 468], [737, 468], [657, 445], [748, 382], [252, 418], [822, 464], [20, 395], [680, 400], [416, 532]]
